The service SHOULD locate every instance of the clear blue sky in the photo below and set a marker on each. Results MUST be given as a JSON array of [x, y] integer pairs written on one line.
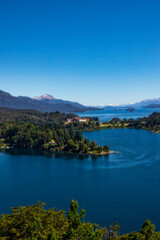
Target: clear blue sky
[[90, 51]]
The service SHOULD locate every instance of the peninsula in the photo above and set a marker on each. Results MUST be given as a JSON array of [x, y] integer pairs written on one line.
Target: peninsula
[[56, 132]]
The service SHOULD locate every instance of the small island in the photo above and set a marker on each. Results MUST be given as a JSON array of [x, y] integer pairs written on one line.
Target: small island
[[130, 109]]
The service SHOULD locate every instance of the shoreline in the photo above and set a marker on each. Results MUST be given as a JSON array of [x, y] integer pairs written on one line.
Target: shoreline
[[50, 151], [101, 128], [102, 153]]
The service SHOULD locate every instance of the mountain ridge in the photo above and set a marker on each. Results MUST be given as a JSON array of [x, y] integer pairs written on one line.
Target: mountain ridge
[[147, 103], [47, 98], [24, 102]]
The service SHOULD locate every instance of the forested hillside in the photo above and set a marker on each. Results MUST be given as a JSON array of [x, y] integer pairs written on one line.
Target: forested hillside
[[33, 116], [21, 102]]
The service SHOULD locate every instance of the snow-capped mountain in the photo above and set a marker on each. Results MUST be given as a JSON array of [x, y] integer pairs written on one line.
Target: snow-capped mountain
[[45, 103], [146, 102], [50, 99], [46, 96]]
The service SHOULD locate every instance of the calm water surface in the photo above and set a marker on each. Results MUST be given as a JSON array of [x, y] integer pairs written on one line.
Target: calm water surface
[[108, 114], [123, 187]]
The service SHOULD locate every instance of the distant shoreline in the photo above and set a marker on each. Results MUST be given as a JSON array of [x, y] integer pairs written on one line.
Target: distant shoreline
[[157, 132]]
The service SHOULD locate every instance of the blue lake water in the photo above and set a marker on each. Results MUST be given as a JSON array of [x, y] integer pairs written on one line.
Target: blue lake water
[[108, 114], [123, 187]]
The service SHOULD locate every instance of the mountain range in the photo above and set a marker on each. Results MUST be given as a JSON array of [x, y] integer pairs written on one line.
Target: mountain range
[[50, 99], [45, 103], [148, 103]]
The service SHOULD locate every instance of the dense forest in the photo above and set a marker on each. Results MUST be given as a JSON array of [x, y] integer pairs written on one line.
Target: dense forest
[[152, 123], [52, 119], [48, 131], [52, 138], [61, 132], [55, 119], [35, 223], [33, 116]]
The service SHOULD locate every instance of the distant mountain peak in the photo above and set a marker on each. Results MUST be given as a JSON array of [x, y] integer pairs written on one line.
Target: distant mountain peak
[[45, 96], [146, 102]]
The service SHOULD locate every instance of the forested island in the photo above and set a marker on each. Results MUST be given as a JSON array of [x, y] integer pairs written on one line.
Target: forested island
[[34, 222], [55, 132]]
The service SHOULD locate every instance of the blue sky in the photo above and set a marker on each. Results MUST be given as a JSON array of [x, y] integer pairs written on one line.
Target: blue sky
[[94, 52]]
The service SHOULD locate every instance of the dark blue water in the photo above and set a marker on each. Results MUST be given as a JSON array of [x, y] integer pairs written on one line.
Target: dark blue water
[[108, 114], [123, 187]]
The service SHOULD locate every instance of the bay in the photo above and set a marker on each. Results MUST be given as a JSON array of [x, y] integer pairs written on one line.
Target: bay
[[123, 187]]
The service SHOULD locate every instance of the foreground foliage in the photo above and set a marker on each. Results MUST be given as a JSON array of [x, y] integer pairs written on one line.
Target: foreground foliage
[[34, 222]]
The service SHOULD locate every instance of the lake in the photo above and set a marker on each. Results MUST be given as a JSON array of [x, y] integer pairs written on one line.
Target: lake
[[108, 114], [123, 187]]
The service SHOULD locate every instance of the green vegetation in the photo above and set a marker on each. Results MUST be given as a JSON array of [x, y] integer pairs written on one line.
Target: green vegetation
[[60, 132], [30, 136], [53, 119], [48, 131], [35, 223], [151, 123], [89, 125], [33, 116]]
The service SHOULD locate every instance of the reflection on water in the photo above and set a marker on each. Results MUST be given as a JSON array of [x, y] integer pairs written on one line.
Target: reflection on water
[[132, 147], [35, 152]]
